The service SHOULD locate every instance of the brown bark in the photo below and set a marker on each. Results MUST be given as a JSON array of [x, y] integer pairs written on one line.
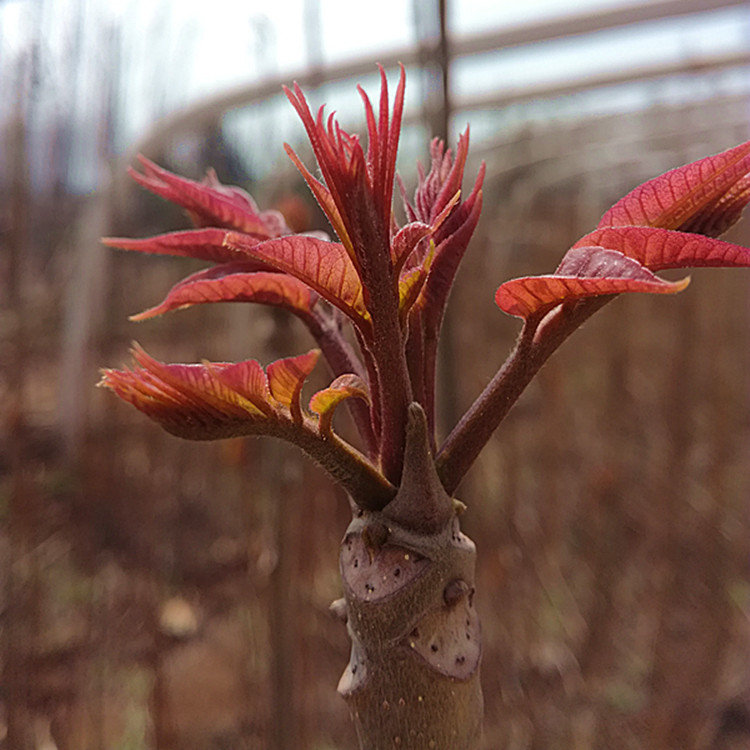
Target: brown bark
[[412, 681]]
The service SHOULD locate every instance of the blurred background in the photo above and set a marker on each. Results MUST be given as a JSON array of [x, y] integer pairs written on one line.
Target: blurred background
[[157, 593]]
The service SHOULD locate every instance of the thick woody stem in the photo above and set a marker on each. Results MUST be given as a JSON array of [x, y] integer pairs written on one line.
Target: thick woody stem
[[412, 682]]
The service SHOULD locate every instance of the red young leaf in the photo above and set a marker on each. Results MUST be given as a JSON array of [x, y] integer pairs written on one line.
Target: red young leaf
[[325, 201], [662, 248], [324, 403], [412, 283], [452, 239], [286, 378], [702, 199], [358, 187], [210, 203], [705, 197], [584, 272], [247, 379], [192, 401], [382, 141], [437, 189], [218, 400], [342, 163], [405, 241], [324, 266], [203, 244], [409, 286], [358, 200], [213, 395], [219, 284]]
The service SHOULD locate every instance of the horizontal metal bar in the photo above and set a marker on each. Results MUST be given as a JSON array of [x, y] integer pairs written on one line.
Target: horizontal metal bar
[[210, 109], [585, 23], [688, 66]]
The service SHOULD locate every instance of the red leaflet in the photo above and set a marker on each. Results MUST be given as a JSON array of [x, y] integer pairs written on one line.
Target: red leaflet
[[188, 400], [405, 242], [437, 188], [358, 187], [452, 239], [357, 197], [411, 285], [219, 284], [211, 400], [247, 380], [286, 378], [408, 238], [342, 162], [668, 222], [217, 400], [325, 201], [203, 244], [383, 140], [584, 272], [705, 197], [701, 200], [324, 266], [211, 204], [324, 403], [661, 248]]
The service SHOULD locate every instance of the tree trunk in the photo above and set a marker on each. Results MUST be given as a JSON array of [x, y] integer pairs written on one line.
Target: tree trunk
[[412, 681]]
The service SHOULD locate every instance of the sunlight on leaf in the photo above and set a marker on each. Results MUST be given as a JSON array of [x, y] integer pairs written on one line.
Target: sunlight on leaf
[[219, 284], [661, 248], [584, 272], [706, 196]]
